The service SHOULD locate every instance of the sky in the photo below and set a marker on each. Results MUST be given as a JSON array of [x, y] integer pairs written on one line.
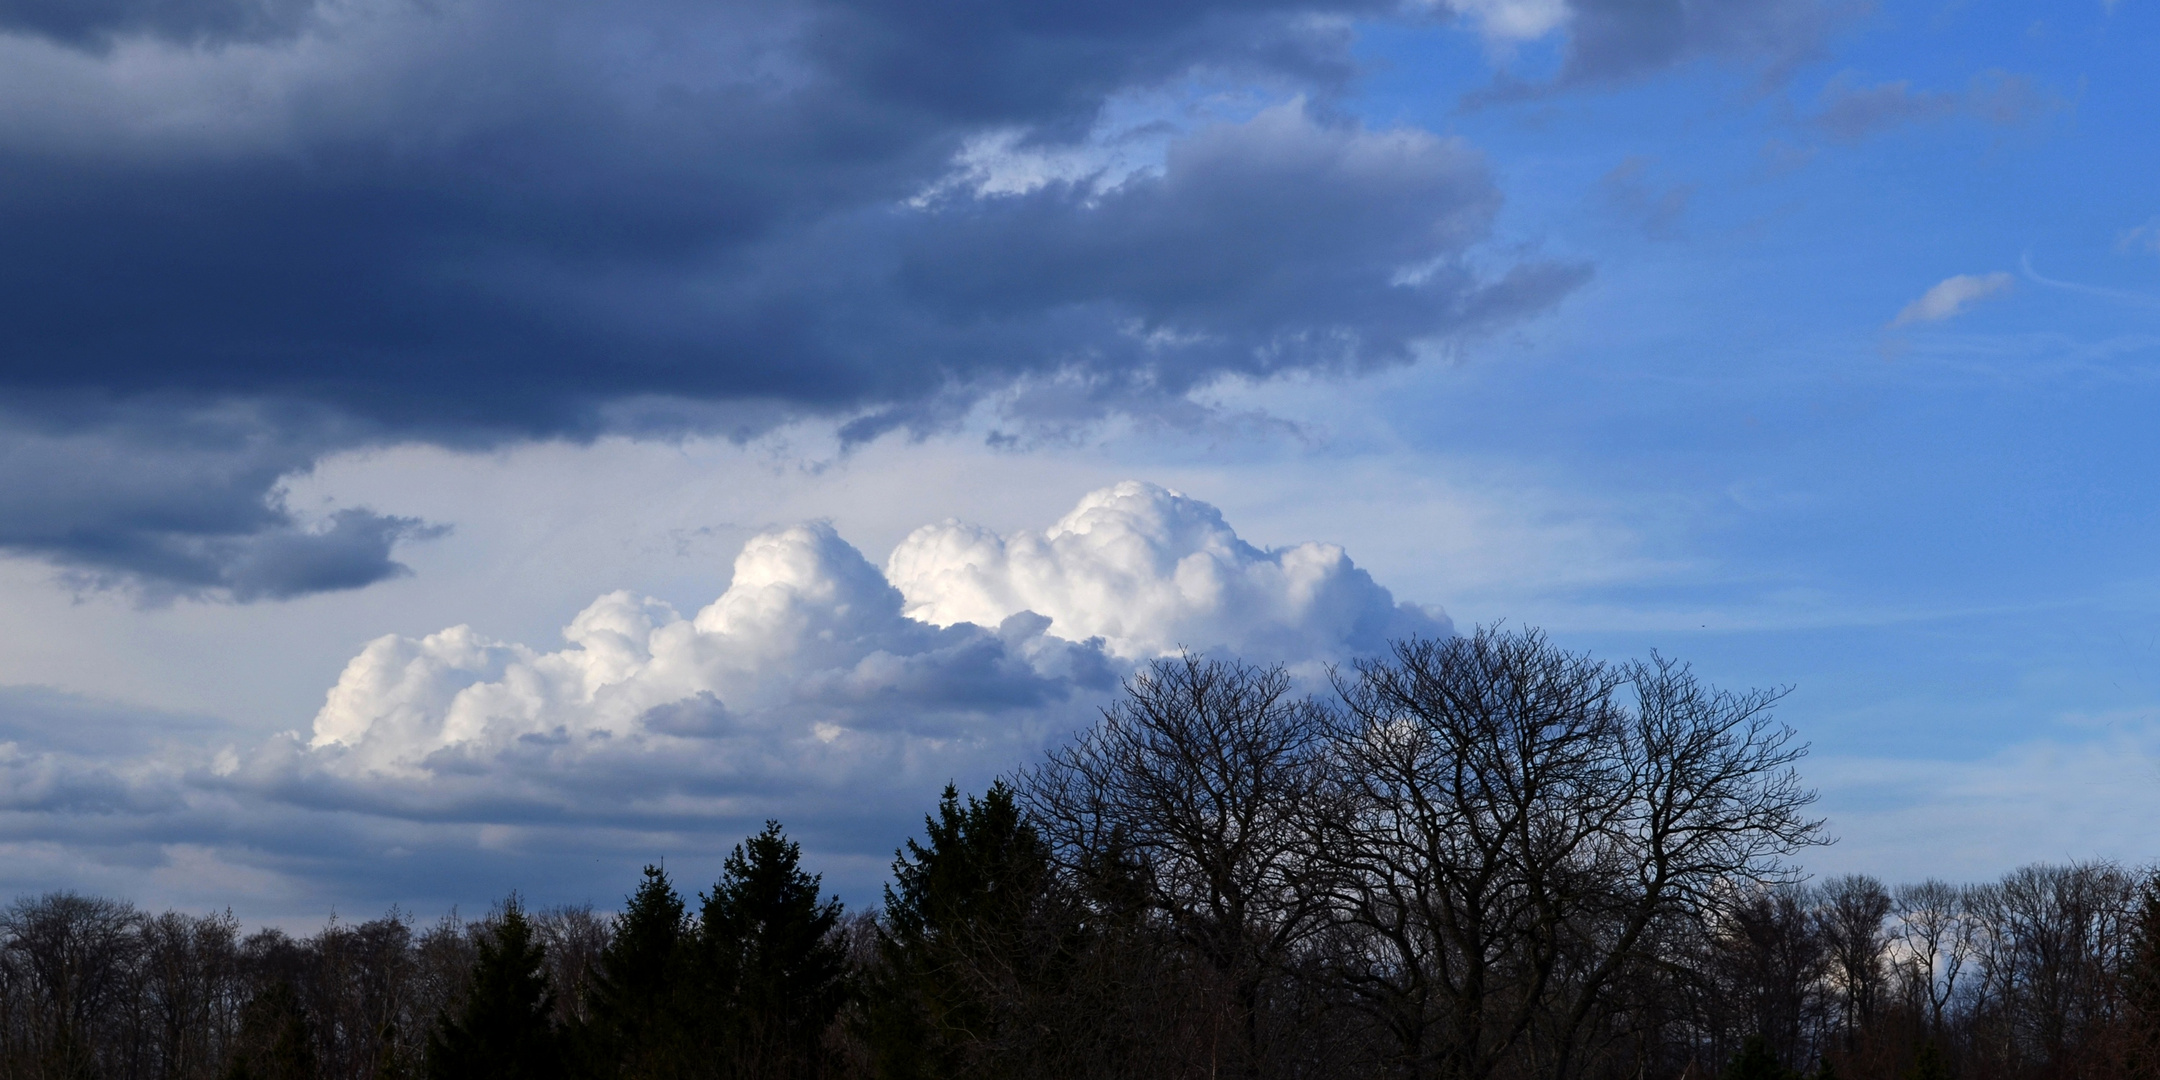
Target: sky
[[467, 446]]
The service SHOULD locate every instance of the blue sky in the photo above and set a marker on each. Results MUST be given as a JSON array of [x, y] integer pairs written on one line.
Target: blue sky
[[340, 325]]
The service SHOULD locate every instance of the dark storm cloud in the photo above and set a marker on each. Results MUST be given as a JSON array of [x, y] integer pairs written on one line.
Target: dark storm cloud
[[180, 501], [1285, 242], [482, 221], [94, 24]]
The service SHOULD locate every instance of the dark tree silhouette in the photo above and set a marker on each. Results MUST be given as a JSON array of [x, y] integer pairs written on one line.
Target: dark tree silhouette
[[1756, 1061], [1932, 1064], [636, 1022], [1513, 839], [1490, 859], [1855, 909], [962, 943], [1203, 780], [505, 1029], [772, 974], [276, 1041], [2141, 986], [71, 957]]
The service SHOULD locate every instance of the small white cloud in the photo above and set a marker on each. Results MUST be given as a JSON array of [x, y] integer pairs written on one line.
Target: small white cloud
[[2144, 237], [1951, 297]]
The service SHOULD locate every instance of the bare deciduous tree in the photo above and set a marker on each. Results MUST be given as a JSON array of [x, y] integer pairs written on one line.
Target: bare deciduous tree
[[70, 961], [1475, 775], [1937, 935], [1855, 910], [1205, 773], [1513, 833]]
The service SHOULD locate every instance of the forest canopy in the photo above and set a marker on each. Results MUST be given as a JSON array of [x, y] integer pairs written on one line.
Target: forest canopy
[[1474, 857]]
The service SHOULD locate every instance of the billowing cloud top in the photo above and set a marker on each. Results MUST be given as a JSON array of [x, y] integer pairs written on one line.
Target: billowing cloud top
[[815, 666], [803, 670], [1150, 571]]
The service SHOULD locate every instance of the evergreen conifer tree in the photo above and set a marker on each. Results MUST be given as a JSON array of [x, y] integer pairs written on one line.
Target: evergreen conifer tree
[[506, 1029], [773, 977], [955, 932], [635, 1030]]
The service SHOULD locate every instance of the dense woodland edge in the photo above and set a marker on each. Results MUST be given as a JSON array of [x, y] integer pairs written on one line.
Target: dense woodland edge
[[1478, 858]]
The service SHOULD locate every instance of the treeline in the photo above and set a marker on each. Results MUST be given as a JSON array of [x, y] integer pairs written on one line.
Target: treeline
[[1479, 858]]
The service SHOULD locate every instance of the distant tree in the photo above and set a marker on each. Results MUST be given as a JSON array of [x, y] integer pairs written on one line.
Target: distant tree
[[1855, 908], [1756, 1061], [357, 996], [771, 970], [575, 936], [1932, 1064], [189, 979], [505, 1029], [71, 958], [276, 1041], [634, 1027], [2055, 938], [2141, 985], [962, 943], [1939, 936], [1770, 956]]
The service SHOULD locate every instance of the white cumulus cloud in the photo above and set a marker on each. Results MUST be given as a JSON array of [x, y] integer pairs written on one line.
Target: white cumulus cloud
[[814, 672], [1952, 296], [804, 668], [1150, 571]]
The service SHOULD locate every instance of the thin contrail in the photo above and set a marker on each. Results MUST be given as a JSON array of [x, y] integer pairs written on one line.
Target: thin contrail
[[2123, 295]]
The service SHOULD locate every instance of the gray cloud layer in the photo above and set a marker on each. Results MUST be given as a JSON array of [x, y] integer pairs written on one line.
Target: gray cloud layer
[[374, 220], [95, 24], [184, 502]]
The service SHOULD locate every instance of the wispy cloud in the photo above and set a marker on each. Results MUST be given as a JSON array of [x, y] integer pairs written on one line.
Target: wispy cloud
[[1849, 112], [1630, 192], [2144, 238], [1951, 297], [2126, 296]]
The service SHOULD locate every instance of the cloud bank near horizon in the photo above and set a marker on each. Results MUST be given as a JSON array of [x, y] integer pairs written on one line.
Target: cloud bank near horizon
[[816, 688]]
